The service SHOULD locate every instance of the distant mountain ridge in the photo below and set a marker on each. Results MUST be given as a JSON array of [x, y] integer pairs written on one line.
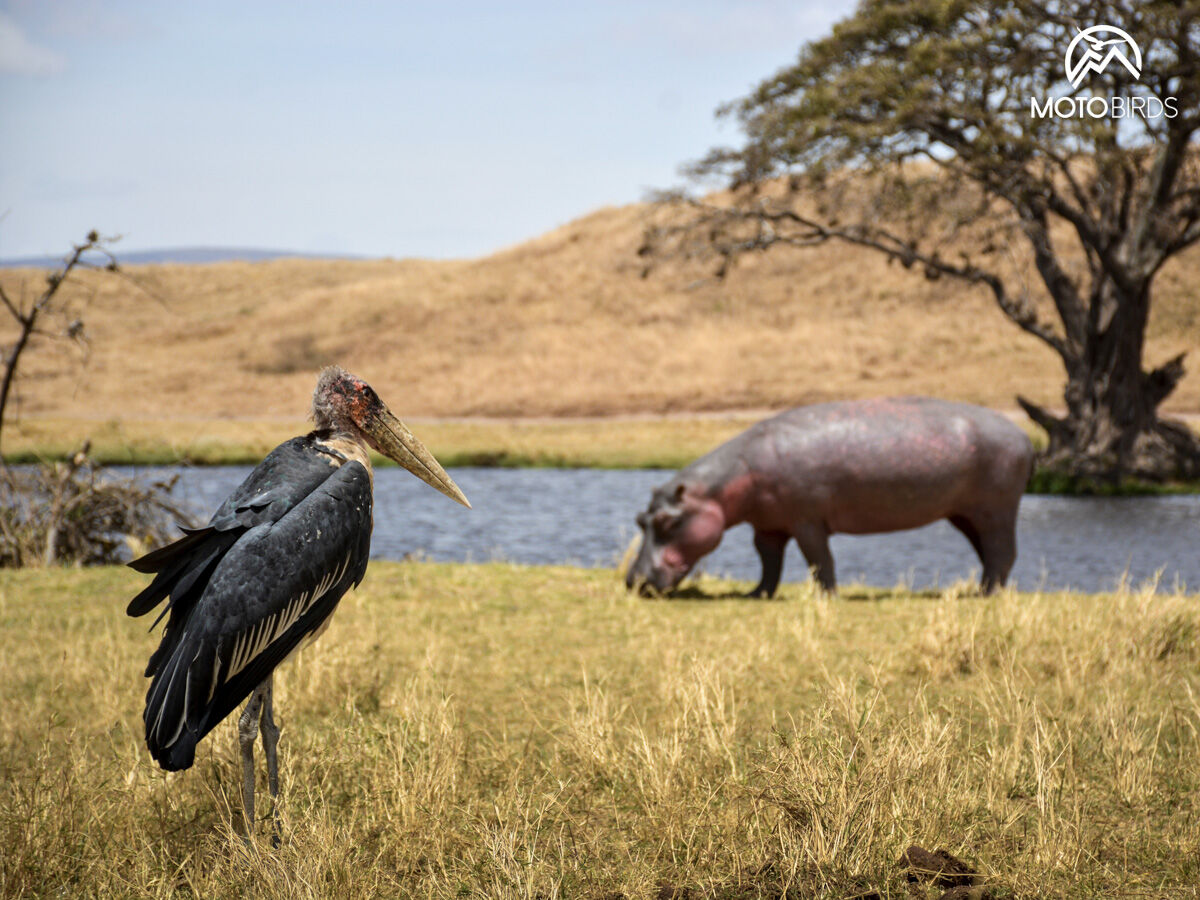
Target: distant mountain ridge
[[181, 255]]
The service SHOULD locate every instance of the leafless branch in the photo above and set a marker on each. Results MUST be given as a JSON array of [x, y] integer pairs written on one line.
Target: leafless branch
[[767, 232], [28, 319]]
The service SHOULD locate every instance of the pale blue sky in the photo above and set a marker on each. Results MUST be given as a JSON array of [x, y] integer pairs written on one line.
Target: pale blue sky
[[366, 128]]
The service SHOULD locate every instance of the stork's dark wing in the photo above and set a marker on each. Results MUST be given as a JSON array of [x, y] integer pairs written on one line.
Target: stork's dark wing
[[291, 472], [246, 590]]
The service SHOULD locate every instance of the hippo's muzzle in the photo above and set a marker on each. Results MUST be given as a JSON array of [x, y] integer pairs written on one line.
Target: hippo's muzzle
[[650, 576]]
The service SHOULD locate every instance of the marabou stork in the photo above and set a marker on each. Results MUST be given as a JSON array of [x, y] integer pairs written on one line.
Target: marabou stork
[[266, 574]]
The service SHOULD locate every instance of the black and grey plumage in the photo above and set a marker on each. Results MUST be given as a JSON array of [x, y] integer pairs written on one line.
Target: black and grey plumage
[[266, 574]]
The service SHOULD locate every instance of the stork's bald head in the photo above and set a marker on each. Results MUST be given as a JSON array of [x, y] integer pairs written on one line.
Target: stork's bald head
[[348, 405], [343, 402]]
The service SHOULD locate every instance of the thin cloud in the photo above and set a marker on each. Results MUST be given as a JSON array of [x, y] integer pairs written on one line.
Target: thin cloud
[[732, 28], [21, 56], [88, 20]]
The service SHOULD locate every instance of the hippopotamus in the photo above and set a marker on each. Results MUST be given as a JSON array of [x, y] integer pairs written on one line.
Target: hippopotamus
[[854, 467]]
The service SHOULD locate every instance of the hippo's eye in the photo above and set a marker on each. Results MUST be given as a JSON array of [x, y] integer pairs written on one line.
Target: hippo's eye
[[664, 522]]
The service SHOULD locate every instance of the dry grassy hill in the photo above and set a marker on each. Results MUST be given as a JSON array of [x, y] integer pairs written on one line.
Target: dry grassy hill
[[561, 325]]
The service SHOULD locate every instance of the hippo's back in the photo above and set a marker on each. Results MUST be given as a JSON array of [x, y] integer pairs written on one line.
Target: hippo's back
[[893, 462]]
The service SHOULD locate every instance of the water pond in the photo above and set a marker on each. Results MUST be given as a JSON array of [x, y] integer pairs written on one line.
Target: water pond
[[586, 517]]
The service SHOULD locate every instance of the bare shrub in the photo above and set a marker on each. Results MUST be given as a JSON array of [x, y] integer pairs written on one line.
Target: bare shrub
[[71, 511], [291, 354], [75, 512]]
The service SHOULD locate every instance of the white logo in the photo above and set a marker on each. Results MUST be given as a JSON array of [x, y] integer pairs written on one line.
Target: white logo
[[1097, 52]]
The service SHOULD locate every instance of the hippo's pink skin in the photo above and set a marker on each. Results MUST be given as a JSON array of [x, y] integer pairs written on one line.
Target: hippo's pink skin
[[859, 467]]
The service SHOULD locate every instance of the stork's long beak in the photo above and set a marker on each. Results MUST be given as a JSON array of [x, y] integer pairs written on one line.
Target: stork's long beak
[[392, 438]]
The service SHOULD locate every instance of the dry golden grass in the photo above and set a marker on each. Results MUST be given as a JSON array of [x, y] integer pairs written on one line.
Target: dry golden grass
[[500, 731], [561, 325]]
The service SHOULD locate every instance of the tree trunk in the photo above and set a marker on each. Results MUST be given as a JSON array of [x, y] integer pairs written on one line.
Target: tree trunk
[[10, 365], [1112, 429]]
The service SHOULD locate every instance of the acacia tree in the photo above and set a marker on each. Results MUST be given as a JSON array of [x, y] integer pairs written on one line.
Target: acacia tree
[[911, 131]]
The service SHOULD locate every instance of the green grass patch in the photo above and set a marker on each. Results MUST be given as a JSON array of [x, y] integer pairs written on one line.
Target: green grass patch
[[592, 443], [1048, 481], [562, 444], [504, 731]]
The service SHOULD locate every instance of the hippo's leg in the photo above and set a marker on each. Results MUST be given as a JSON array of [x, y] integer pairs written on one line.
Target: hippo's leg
[[770, 546], [814, 544], [994, 538], [963, 524]]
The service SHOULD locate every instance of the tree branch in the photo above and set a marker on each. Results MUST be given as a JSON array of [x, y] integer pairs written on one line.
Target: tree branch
[[28, 321], [1048, 422], [813, 232], [1160, 186], [16, 313], [1159, 383]]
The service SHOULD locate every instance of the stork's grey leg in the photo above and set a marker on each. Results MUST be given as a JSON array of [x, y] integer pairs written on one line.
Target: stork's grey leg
[[247, 733], [270, 736]]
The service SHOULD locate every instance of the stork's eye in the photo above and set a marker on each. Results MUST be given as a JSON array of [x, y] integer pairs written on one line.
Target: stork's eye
[[642, 520]]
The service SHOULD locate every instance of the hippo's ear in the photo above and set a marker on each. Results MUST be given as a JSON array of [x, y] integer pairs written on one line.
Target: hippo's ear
[[680, 490]]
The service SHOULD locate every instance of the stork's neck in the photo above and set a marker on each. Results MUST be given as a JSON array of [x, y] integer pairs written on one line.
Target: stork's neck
[[343, 446], [325, 417]]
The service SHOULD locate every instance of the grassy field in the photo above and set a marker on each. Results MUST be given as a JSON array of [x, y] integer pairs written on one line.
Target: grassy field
[[594, 443], [618, 443], [501, 731], [562, 325], [555, 352]]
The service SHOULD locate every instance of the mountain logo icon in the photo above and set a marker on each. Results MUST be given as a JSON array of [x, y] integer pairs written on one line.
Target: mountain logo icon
[[1093, 49]]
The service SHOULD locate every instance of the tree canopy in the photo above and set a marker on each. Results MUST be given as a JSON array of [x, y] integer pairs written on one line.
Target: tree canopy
[[937, 131]]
